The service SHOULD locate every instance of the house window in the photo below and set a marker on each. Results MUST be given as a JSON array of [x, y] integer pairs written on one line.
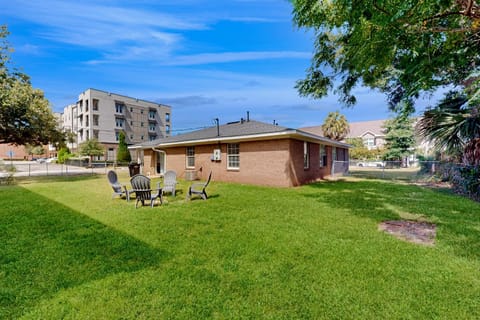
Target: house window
[[119, 122], [167, 117], [323, 156], [334, 154], [306, 156], [190, 157], [119, 107], [151, 114], [117, 136], [233, 156], [369, 142], [95, 119]]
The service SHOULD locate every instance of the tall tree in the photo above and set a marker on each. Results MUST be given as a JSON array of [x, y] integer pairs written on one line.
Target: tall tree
[[399, 138], [335, 126], [91, 148], [402, 48], [25, 115], [123, 155]]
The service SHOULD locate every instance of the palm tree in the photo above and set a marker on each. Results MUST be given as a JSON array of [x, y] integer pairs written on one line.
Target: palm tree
[[454, 127], [335, 126]]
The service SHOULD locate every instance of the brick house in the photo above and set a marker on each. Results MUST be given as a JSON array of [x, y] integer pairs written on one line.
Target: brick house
[[246, 151]]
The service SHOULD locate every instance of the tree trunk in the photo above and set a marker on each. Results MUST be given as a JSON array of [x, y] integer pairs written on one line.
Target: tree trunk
[[471, 154]]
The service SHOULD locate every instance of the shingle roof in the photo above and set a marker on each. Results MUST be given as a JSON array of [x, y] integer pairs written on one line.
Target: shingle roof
[[233, 129], [357, 129], [242, 130]]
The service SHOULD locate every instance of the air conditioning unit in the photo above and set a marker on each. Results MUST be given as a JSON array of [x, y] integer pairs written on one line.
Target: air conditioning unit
[[217, 155]]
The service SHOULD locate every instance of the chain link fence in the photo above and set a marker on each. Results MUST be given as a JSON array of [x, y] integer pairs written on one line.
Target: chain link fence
[[9, 170]]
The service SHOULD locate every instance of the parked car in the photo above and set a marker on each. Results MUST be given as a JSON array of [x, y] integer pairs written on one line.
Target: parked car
[[377, 164], [41, 160], [50, 160]]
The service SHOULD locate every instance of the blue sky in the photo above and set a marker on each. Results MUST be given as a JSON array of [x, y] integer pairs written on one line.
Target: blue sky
[[206, 59]]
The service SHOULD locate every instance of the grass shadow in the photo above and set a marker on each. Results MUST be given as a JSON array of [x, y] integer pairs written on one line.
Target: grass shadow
[[48, 247]]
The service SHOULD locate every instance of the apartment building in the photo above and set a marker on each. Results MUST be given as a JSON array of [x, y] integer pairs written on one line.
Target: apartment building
[[103, 115]]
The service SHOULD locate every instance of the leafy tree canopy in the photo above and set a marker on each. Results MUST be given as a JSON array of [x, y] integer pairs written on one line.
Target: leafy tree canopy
[[91, 147], [399, 137], [25, 115], [123, 155], [335, 126], [402, 47]]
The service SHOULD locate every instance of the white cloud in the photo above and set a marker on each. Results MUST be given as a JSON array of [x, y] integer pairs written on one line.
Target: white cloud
[[223, 57]]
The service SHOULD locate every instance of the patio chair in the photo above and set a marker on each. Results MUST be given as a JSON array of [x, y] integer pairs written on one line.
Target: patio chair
[[143, 192], [118, 188], [199, 188], [169, 182]]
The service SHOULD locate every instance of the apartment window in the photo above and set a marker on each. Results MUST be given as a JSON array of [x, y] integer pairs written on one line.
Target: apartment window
[[151, 127], [131, 109], [119, 122], [323, 155], [190, 152], [306, 155], [167, 117], [131, 137], [117, 136], [95, 134], [167, 129], [141, 111], [141, 124], [119, 107], [233, 156], [86, 105], [95, 104], [151, 114], [95, 119], [152, 137], [87, 123], [131, 123]]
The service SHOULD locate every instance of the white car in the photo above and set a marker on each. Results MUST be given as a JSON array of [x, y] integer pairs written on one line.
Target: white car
[[50, 160], [377, 164]]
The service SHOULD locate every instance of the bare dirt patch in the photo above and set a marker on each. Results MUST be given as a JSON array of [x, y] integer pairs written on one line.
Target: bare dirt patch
[[411, 231]]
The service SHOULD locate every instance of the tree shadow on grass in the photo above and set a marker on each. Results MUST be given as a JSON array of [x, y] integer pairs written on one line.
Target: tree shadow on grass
[[47, 247], [457, 218]]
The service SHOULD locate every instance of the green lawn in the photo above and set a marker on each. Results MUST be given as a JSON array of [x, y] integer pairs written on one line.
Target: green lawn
[[69, 251]]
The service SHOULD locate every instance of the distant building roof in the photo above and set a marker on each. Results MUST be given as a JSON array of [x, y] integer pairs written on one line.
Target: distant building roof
[[357, 129], [236, 131]]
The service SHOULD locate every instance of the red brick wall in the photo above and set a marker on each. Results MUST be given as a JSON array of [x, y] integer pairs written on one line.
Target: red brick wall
[[269, 162]]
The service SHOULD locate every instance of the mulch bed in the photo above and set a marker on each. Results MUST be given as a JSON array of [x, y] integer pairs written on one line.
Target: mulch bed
[[411, 231]]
